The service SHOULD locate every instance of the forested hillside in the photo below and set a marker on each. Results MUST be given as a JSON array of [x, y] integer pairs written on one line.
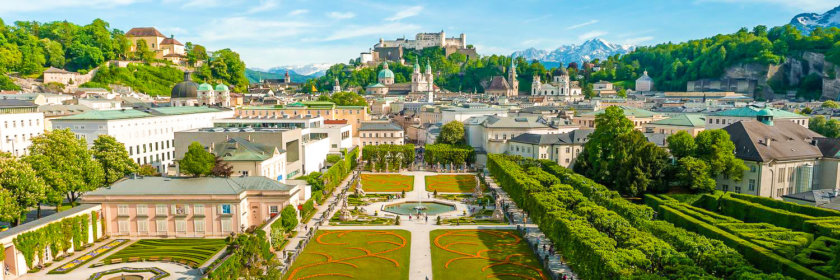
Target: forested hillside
[[29, 47]]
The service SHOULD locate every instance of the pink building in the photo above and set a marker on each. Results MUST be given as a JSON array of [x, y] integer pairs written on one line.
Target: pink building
[[191, 207]]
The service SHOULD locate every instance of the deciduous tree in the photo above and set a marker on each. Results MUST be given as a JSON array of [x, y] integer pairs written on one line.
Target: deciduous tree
[[113, 157], [65, 164], [197, 161], [451, 133], [20, 187]]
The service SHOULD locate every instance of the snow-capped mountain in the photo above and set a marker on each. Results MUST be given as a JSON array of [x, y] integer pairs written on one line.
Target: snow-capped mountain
[[589, 50], [808, 21], [315, 69]]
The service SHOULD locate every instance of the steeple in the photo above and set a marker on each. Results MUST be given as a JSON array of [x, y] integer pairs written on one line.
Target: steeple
[[416, 66], [428, 67]]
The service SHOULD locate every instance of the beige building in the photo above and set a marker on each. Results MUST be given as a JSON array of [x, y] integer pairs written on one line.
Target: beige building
[[562, 148], [354, 115], [71, 80], [693, 124], [604, 89], [380, 132], [782, 157], [164, 47], [191, 207], [639, 117], [252, 159], [499, 86], [644, 83]]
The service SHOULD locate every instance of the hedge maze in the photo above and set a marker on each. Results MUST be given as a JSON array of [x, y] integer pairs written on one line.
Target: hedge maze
[[802, 244], [192, 252], [607, 237], [354, 254], [482, 254]]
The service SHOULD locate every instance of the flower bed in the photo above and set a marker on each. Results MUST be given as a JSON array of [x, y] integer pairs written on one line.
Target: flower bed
[[83, 259], [159, 273]]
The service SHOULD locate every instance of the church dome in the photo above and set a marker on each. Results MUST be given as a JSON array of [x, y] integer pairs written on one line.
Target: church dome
[[222, 88], [386, 73], [185, 89], [560, 71], [205, 87]]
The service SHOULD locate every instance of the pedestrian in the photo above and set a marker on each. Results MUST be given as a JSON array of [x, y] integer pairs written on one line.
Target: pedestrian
[[409, 217], [427, 219]]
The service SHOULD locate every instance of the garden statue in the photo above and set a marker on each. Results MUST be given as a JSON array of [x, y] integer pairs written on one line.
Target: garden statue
[[345, 215], [498, 215], [477, 192], [399, 158]]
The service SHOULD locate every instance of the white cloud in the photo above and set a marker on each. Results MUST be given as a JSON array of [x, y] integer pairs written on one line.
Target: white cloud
[[298, 12], [637, 40], [200, 3], [815, 6], [265, 5], [591, 34], [341, 15], [7, 6], [579, 25], [406, 13], [379, 30]]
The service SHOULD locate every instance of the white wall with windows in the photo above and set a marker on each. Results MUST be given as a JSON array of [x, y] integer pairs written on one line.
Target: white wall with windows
[[17, 131]]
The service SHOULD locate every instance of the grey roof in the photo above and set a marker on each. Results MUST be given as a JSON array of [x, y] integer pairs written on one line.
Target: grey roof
[[657, 138], [16, 103], [788, 141], [142, 186], [380, 126], [830, 147], [578, 136], [825, 198], [46, 220], [518, 122]]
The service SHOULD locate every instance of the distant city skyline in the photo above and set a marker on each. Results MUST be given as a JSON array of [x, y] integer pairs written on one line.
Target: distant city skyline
[[271, 33]]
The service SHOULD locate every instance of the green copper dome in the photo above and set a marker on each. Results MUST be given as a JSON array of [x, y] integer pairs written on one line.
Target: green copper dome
[[385, 72], [205, 87], [222, 87]]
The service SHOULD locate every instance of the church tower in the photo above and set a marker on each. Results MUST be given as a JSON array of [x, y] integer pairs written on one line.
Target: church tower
[[536, 85], [337, 86], [287, 79], [512, 80]]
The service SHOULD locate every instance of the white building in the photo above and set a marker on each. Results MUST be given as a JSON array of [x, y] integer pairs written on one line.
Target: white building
[[492, 133], [148, 135], [560, 85], [721, 119], [425, 40], [340, 135], [422, 82], [644, 83], [20, 122], [380, 133]]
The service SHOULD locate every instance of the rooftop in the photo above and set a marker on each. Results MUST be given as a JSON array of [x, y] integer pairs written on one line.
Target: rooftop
[[144, 186], [240, 149], [132, 113], [379, 126], [683, 120], [753, 111], [143, 32], [628, 111]]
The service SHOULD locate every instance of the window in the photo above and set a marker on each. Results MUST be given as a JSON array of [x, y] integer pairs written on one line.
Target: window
[[180, 209], [273, 209], [781, 175], [123, 226], [726, 188], [199, 209], [160, 209], [225, 209], [199, 225], [752, 185], [160, 225], [142, 209], [122, 210], [753, 168], [738, 189], [226, 225], [180, 226], [568, 149], [142, 226]]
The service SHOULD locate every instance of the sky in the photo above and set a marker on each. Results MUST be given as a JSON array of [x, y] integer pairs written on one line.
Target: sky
[[270, 33]]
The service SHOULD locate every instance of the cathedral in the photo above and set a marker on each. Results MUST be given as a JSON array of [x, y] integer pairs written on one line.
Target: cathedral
[[188, 93], [560, 85], [422, 82], [500, 87]]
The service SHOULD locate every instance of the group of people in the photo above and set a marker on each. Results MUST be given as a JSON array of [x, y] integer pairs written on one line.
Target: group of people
[[418, 215]]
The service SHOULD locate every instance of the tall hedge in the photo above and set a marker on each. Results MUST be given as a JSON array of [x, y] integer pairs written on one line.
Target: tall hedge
[[379, 152], [449, 154]]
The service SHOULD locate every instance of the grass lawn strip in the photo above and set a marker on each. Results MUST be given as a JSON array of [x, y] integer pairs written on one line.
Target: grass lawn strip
[[387, 183], [450, 183], [159, 273], [482, 254], [359, 254], [193, 251]]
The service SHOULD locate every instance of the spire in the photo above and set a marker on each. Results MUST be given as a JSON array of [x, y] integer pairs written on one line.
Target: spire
[[416, 65], [428, 66]]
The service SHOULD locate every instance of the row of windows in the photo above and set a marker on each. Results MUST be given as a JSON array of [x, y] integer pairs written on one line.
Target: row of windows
[[176, 209], [383, 143], [22, 122], [376, 135], [151, 147], [155, 158], [750, 187], [161, 226]]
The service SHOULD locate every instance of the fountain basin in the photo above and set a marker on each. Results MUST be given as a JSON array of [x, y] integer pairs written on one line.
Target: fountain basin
[[412, 207]]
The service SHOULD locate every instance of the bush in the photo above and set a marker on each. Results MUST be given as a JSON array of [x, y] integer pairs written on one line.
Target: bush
[[449, 154]]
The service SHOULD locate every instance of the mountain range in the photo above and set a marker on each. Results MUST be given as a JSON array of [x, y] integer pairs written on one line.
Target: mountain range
[[255, 75], [808, 21], [589, 50]]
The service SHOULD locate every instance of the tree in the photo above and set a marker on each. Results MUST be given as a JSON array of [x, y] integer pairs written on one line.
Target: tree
[[717, 150], [830, 104], [288, 217], [147, 170], [681, 144], [197, 161], [348, 99], [113, 157], [142, 51], [315, 180], [65, 164], [828, 128], [20, 188], [694, 174], [195, 53], [451, 133], [221, 168]]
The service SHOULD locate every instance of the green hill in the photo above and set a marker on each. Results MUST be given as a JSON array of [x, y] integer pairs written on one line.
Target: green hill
[[254, 76]]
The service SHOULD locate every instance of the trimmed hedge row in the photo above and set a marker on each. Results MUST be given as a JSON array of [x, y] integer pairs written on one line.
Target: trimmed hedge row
[[712, 255], [788, 206], [446, 154], [748, 211], [761, 257], [601, 243]]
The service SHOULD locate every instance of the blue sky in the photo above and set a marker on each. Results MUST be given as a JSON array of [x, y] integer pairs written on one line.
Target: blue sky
[[270, 33]]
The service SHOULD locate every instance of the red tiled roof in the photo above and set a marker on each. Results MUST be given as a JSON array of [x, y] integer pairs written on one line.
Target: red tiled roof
[[143, 32], [170, 41]]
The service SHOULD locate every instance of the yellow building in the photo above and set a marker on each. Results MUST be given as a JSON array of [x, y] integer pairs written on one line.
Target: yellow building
[[354, 115], [164, 48]]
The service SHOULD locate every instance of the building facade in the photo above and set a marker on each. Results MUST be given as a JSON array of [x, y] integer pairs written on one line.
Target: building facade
[[20, 122], [380, 133]]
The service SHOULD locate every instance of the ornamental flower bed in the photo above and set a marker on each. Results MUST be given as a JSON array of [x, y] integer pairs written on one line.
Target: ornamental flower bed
[[159, 273], [83, 259]]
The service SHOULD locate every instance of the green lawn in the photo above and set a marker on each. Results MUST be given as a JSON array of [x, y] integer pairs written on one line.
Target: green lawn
[[359, 254], [387, 182], [450, 183], [193, 251], [482, 254]]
